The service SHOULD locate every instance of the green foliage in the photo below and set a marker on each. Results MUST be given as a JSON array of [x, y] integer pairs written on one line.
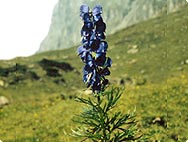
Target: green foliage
[[100, 123]]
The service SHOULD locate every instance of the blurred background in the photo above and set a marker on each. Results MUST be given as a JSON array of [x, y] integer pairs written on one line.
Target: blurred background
[[65, 27], [37, 26]]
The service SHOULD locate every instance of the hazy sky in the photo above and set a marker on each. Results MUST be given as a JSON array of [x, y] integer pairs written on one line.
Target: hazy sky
[[23, 25]]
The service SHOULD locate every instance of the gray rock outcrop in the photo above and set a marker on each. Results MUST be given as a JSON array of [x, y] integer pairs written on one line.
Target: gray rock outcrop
[[118, 14]]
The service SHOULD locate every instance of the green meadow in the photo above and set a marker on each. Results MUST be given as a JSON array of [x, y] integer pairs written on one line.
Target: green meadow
[[150, 60]]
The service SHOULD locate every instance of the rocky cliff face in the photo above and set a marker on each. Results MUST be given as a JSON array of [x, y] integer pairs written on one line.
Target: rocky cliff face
[[65, 27]]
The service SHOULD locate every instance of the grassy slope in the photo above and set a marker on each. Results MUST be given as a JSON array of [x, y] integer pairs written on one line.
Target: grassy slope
[[38, 113]]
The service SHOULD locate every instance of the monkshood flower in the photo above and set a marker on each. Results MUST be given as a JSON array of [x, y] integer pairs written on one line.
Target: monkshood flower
[[93, 41]]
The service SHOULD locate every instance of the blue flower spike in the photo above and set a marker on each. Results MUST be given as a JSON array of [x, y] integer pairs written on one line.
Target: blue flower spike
[[93, 41]]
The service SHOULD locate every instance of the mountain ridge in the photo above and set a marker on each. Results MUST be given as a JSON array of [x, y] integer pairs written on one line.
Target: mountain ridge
[[65, 27]]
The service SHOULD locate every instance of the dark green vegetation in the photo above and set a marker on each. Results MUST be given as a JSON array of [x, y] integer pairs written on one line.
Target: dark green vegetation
[[99, 124], [150, 59]]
